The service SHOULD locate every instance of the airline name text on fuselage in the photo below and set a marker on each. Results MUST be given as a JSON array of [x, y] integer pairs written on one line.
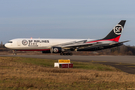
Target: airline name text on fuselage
[[33, 42]]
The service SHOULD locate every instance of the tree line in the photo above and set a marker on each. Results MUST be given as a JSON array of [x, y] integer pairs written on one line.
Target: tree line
[[121, 50]]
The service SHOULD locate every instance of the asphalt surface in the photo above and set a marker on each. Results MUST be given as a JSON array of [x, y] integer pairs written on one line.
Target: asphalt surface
[[124, 63]]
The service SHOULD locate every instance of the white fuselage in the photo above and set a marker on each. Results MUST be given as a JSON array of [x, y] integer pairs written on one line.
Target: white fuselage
[[37, 44]]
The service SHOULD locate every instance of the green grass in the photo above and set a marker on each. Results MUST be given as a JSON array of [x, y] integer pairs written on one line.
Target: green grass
[[35, 61], [93, 66], [76, 65]]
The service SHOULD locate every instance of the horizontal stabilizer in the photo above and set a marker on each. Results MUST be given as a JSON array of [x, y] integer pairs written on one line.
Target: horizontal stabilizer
[[119, 42]]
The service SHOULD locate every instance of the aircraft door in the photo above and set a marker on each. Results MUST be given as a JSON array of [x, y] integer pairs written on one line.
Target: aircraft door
[[19, 43]]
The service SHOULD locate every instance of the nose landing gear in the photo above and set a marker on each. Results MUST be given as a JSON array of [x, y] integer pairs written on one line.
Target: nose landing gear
[[14, 52]]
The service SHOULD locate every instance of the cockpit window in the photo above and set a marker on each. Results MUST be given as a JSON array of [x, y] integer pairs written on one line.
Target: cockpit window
[[10, 42]]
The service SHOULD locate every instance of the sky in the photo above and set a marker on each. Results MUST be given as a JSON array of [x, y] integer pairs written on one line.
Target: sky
[[72, 19]]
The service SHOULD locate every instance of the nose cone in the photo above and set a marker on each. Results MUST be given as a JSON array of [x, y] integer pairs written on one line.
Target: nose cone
[[7, 45]]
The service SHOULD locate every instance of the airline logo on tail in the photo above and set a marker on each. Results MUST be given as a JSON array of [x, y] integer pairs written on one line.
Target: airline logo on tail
[[118, 29], [115, 34]]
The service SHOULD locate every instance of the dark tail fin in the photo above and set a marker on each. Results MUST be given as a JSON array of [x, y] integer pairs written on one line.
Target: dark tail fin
[[115, 34]]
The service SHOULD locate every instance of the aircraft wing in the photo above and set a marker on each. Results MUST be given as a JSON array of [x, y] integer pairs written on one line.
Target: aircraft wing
[[77, 44], [72, 44], [83, 44]]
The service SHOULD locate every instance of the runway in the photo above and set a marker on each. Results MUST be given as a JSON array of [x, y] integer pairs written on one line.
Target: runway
[[117, 59], [124, 63]]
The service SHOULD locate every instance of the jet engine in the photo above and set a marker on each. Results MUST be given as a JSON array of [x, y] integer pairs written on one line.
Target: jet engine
[[56, 50]]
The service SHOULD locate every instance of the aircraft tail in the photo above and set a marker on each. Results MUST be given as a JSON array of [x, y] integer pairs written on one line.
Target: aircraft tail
[[115, 34]]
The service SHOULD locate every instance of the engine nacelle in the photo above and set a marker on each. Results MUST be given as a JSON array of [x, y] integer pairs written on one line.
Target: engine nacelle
[[56, 50]]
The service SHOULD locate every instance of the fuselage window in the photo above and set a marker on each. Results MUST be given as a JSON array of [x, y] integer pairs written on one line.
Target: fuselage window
[[10, 42]]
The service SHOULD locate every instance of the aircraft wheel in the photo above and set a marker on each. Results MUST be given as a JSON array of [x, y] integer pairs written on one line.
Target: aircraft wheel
[[71, 54], [61, 53]]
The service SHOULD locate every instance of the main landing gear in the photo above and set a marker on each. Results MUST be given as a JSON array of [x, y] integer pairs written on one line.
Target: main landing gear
[[66, 53]]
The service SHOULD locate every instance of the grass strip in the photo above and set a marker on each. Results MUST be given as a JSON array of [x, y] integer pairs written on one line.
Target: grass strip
[[76, 65]]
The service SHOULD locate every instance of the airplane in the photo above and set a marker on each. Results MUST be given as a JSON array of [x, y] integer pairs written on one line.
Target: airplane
[[66, 46]]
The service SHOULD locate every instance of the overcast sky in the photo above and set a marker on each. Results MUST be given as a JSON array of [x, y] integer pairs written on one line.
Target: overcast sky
[[77, 19]]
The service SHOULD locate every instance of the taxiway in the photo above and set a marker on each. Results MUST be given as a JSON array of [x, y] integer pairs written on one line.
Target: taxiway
[[117, 59]]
